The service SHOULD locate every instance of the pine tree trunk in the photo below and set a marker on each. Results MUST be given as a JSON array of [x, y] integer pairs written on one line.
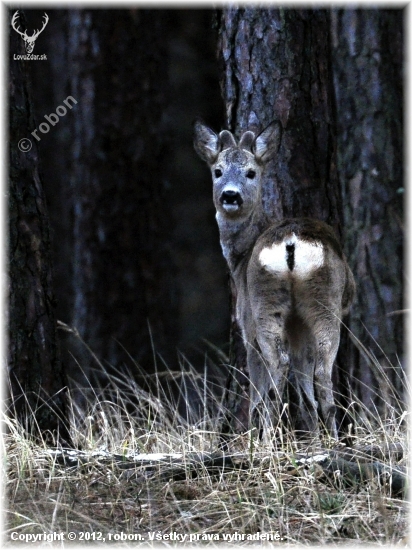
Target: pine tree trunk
[[367, 61], [276, 67], [37, 382], [123, 300]]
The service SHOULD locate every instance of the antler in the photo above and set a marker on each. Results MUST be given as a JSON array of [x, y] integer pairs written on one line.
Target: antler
[[13, 24], [36, 33]]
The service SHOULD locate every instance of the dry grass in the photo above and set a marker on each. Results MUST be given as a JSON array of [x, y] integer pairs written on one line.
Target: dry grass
[[272, 496]]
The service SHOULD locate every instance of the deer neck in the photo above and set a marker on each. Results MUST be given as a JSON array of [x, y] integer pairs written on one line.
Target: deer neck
[[238, 237]]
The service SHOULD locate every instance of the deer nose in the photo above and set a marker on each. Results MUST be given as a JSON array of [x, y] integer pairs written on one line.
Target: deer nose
[[231, 197]]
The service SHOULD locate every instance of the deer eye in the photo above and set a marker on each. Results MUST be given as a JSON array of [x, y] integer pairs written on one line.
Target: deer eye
[[251, 174], [218, 172]]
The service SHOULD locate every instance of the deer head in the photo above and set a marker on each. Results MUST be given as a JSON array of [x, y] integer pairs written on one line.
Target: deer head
[[29, 41], [236, 166]]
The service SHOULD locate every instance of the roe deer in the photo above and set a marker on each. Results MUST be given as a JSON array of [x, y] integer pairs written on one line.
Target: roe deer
[[292, 281]]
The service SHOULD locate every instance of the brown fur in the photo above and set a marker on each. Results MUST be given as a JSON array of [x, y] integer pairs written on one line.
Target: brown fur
[[290, 319]]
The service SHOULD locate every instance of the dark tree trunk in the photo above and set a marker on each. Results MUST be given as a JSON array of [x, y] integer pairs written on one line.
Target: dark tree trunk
[[54, 148], [276, 67], [123, 298], [277, 64], [183, 72], [367, 61], [37, 382]]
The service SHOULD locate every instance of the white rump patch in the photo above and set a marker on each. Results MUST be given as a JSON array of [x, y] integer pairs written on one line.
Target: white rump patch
[[307, 256], [274, 258]]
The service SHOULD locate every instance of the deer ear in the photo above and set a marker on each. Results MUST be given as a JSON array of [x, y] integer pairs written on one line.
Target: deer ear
[[246, 141], [206, 143], [267, 142]]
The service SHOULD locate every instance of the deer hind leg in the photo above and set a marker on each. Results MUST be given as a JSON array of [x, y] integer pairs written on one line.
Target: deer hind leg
[[302, 379], [259, 414], [269, 365], [327, 348], [303, 360]]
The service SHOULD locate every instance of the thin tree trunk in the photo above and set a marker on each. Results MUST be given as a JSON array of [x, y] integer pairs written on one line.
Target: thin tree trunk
[[54, 151], [37, 382]]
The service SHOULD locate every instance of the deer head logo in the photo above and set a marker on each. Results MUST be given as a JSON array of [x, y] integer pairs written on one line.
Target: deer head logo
[[29, 41]]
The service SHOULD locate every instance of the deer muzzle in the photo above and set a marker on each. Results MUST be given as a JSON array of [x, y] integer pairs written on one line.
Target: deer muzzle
[[231, 200]]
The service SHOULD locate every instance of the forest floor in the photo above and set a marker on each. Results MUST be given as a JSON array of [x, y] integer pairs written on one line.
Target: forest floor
[[115, 493]]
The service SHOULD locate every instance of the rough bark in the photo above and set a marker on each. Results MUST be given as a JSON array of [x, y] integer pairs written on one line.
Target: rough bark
[[276, 66], [334, 80], [123, 300], [54, 148], [189, 78], [37, 382], [367, 61]]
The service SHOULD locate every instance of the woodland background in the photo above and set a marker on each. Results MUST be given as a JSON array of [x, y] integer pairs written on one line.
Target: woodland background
[[111, 220]]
